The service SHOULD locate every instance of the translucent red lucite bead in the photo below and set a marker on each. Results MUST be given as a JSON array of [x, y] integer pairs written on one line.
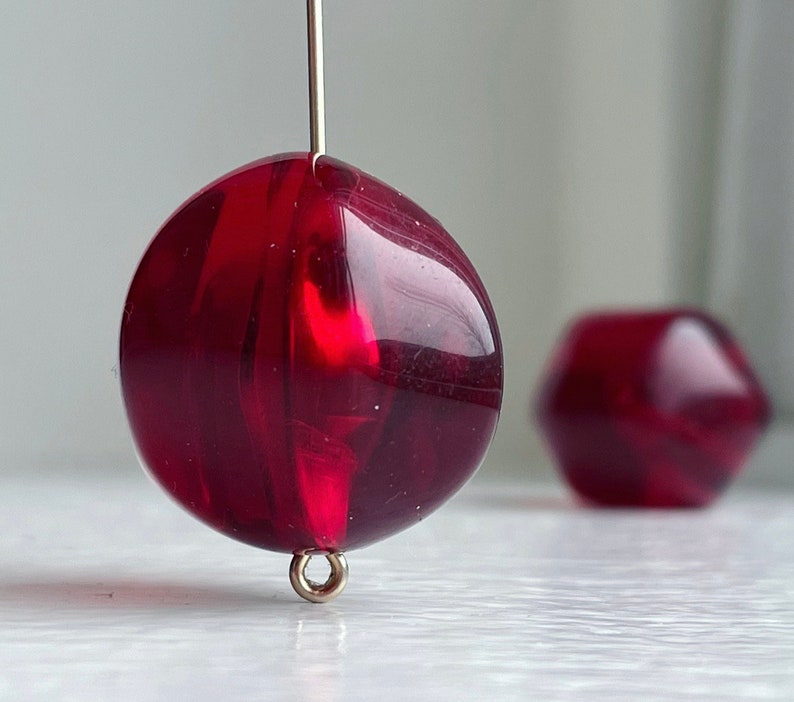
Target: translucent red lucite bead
[[656, 409], [308, 360]]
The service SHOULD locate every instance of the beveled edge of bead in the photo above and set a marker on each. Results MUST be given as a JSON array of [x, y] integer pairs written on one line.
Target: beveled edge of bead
[[319, 592]]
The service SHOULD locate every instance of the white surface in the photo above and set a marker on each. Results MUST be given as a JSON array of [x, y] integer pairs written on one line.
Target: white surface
[[110, 592]]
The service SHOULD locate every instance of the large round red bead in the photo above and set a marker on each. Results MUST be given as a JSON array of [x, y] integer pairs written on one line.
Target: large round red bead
[[308, 360], [650, 409]]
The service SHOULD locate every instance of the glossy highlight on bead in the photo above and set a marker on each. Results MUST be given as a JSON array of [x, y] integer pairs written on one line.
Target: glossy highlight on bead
[[309, 362]]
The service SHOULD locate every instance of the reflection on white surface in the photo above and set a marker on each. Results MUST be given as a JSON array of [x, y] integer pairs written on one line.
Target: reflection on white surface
[[320, 653]]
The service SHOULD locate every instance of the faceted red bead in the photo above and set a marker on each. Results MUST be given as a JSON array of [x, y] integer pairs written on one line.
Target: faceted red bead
[[308, 360], [655, 409]]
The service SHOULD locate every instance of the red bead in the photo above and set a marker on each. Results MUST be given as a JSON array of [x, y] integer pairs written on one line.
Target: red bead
[[308, 360], [655, 409]]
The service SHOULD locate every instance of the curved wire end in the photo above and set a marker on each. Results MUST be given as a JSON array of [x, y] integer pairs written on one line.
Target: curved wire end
[[318, 592]]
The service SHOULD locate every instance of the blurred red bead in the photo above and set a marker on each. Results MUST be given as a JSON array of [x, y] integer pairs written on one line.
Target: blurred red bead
[[309, 362], [650, 409]]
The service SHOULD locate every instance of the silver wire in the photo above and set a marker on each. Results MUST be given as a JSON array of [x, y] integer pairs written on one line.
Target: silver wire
[[314, 17]]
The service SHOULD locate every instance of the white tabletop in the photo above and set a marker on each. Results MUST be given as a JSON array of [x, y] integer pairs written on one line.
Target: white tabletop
[[109, 592]]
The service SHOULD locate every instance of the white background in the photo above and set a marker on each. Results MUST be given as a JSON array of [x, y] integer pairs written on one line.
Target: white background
[[574, 149]]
